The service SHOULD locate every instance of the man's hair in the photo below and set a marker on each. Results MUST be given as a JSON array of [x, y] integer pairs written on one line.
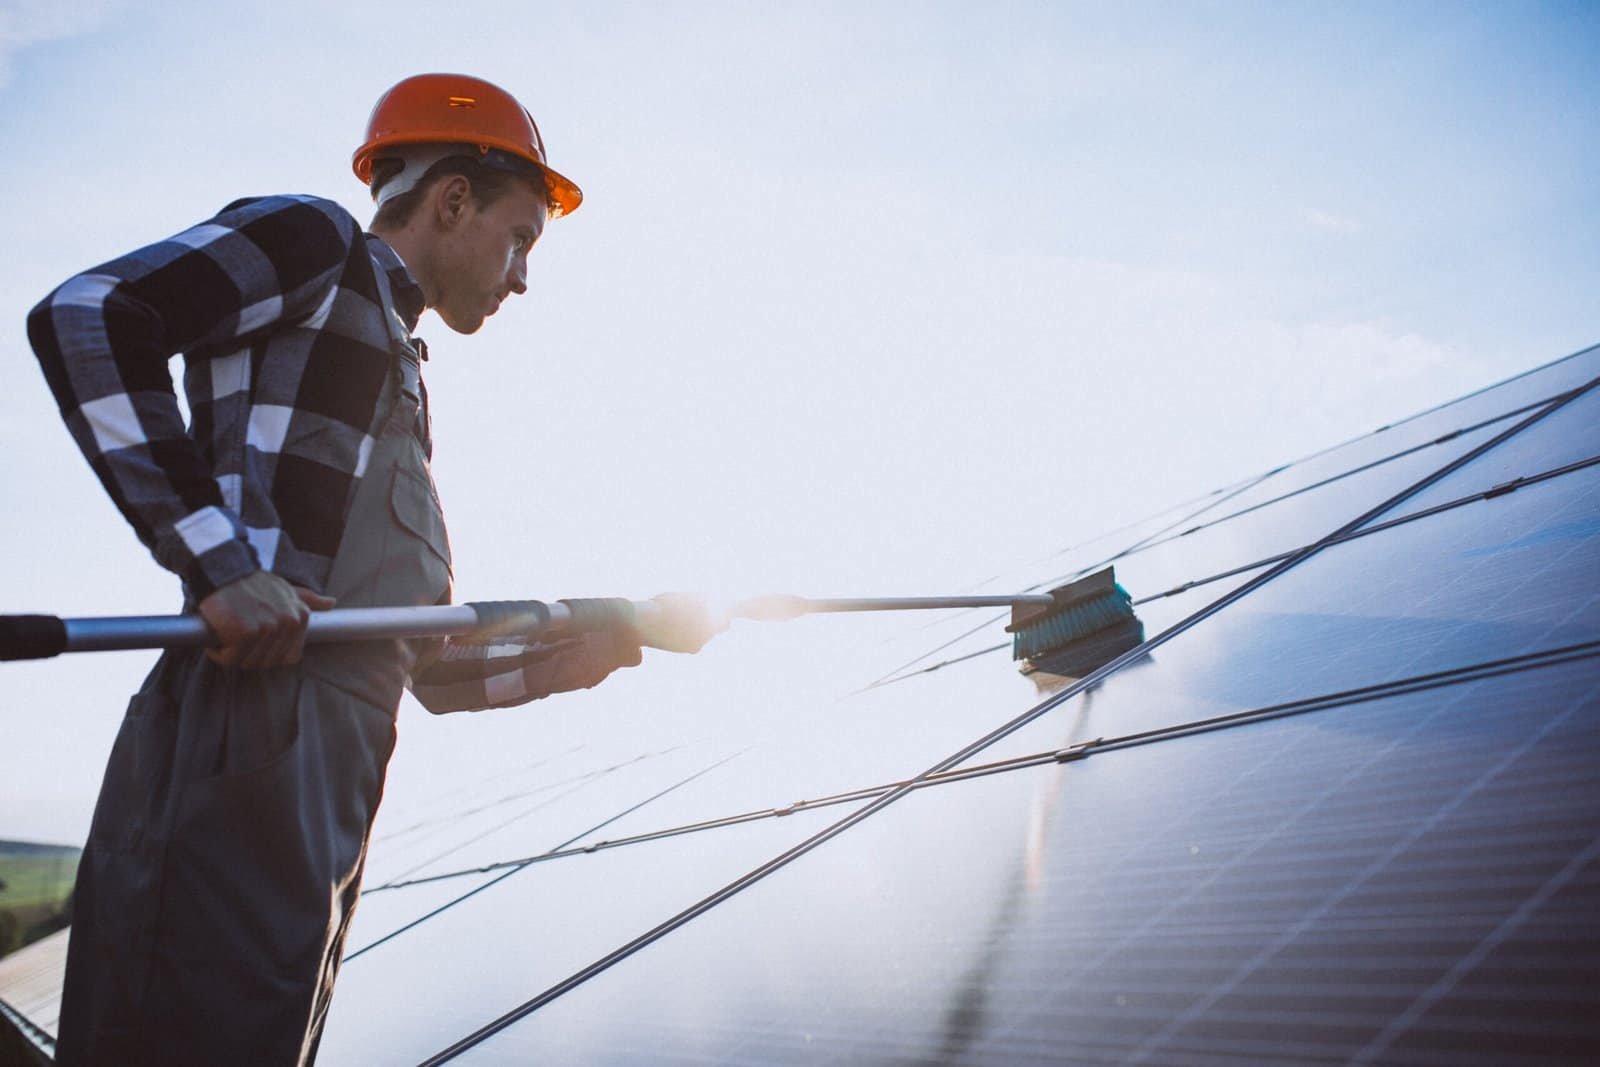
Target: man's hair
[[488, 184]]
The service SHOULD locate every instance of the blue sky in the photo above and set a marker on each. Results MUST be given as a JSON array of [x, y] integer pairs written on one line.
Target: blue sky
[[867, 298]]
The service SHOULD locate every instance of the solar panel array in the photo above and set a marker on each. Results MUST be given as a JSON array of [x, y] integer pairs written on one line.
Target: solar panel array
[[1342, 806]]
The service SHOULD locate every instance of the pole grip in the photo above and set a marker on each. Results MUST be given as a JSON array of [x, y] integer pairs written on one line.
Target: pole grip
[[43, 636], [32, 637], [504, 620]]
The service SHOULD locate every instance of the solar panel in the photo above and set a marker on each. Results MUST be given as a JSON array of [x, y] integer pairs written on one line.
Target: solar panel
[[1189, 898], [1488, 406], [1503, 577], [1570, 434], [1237, 538], [1412, 551], [1259, 525], [532, 928], [1370, 882], [522, 818], [1426, 443]]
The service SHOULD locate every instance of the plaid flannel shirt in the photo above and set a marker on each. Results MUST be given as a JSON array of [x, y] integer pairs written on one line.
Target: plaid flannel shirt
[[287, 318]]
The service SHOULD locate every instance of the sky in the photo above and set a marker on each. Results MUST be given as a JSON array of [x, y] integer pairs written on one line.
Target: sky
[[870, 298]]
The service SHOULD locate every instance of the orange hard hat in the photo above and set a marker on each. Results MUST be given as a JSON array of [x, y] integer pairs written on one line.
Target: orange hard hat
[[458, 109]]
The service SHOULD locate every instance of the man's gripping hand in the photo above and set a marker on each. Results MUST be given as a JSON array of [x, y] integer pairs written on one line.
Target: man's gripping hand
[[681, 623], [260, 621]]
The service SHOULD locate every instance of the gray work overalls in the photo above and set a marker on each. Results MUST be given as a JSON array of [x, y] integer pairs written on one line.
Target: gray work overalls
[[225, 856]]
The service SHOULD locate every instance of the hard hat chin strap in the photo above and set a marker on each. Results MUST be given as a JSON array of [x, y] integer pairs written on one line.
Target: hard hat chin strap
[[417, 160]]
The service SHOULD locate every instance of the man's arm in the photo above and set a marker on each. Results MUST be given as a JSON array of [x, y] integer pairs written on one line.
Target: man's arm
[[477, 677], [469, 677], [104, 337]]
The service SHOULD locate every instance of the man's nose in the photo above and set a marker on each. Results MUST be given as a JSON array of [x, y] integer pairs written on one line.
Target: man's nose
[[518, 276]]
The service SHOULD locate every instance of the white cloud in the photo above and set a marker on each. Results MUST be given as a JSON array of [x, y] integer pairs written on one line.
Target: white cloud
[[1374, 351], [1325, 220], [29, 22]]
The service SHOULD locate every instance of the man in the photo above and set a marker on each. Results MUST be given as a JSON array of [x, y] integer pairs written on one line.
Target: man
[[225, 856]]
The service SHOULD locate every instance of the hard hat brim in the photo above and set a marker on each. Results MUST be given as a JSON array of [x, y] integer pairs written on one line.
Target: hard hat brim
[[562, 192]]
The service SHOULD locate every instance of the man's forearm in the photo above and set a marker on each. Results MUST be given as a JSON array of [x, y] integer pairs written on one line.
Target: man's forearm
[[476, 677], [118, 402]]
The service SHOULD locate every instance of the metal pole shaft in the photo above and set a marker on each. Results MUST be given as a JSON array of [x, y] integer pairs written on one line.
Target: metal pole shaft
[[921, 603], [341, 624]]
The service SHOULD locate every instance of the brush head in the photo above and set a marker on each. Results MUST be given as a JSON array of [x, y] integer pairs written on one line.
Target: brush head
[[1090, 623]]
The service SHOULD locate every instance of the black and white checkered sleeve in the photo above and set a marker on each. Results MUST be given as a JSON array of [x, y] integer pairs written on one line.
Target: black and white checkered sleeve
[[475, 677], [104, 337]]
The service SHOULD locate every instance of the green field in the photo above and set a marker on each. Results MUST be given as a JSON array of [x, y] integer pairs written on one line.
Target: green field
[[35, 886]]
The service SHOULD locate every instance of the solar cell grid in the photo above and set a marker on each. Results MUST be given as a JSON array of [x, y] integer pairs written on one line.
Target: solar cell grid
[[1414, 443], [1569, 434], [382, 914], [1090, 554], [1156, 611], [1260, 522], [563, 795], [1421, 432], [530, 930], [553, 814], [1283, 526], [1358, 881], [1046, 758], [1416, 434], [920, 719], [1498, 578]]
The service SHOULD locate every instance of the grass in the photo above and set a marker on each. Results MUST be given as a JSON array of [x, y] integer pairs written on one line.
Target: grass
[[35, 888]]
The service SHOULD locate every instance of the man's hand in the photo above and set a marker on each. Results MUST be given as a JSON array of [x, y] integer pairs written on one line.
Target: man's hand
[[260, 620], [683, 623]]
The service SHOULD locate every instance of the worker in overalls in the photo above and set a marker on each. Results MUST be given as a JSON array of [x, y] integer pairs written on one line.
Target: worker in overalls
[[225, 856]]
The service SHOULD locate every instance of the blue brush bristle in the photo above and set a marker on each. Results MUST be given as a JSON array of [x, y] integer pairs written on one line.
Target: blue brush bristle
[[1079, 620]]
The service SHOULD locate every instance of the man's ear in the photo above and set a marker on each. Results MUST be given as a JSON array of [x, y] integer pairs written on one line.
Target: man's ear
[[452, 199]]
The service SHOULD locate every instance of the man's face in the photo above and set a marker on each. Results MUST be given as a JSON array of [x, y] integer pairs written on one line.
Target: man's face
[[483, 257]]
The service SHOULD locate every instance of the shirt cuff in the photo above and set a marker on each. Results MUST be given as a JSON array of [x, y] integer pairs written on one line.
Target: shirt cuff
[[208, 550], [611, 649]]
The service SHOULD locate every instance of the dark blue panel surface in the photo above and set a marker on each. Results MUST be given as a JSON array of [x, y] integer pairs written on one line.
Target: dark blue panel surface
[[1416, 442], [405, 998], [1225, 539], [526, 813], [1284, 525], [1497, 578], [1306, 501], [1568, 434], [1412, 879]]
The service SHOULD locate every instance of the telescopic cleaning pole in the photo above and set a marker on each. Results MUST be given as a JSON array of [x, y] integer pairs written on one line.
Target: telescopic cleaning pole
[[44, 636], [1042, 622]]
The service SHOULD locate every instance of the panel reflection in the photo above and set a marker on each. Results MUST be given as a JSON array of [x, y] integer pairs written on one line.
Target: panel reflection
[[1501, 578], [1566, 435], [1345, 885]]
